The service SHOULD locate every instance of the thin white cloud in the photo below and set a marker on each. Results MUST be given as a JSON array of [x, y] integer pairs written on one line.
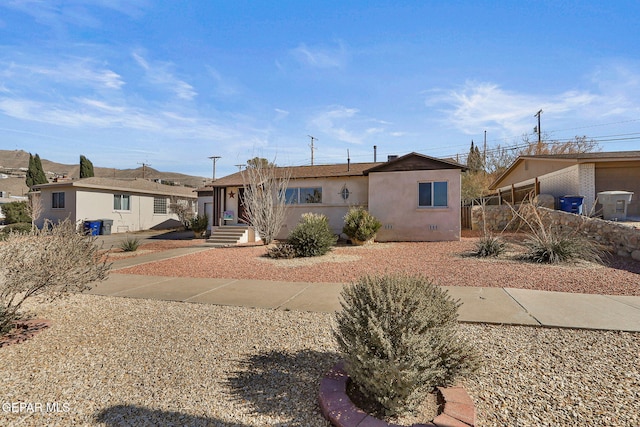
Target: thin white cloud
[[321, 57], [158, 74], [74, 71], [348, 125], [281, 114], [475, 106]]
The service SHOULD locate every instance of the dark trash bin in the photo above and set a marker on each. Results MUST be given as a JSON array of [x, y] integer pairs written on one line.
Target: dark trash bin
[[92, 227], [572, 204], [106, 226]]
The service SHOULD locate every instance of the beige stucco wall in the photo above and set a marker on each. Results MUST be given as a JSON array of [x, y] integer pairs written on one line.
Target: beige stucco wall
[[82, 205], [333, 205], [393, 199]]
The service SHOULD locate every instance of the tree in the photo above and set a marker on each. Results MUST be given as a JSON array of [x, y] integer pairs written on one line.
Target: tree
[[34, 207], [264, 197], [474, 159], [86, 167], [259, 162], [51, 262], [35, 172]]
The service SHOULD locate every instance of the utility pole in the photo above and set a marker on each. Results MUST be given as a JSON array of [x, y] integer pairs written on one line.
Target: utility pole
[[313, 148], [484, 153], [213, 192], [144, 165], [239, 167], [537, 128]]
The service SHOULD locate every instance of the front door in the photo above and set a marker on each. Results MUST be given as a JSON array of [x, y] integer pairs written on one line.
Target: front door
[[241, 211]]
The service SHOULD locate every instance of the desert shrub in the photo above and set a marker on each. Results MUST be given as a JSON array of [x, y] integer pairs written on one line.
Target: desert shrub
[[51, 263], [359, 224], [554, 246], [18, 227], [489, 246], [282, 250], [312, 236], [398, 335], [199, 224], [129, 244], [548, 243]]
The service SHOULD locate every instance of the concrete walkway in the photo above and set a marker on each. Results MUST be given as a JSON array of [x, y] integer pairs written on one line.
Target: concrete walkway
[[487, 305]]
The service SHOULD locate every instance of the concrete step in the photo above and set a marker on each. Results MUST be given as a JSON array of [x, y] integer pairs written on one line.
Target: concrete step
[[226, 235]]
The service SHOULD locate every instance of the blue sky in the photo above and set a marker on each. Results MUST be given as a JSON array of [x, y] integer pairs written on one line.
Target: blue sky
[[170, 83]]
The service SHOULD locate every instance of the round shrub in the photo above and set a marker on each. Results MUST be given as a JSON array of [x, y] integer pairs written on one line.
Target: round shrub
[[398, 335], [18, 227], [312, 236], [360, 225]]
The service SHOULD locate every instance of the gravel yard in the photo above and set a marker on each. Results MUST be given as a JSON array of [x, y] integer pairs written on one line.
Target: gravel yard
[[116, 361], [445, 262]]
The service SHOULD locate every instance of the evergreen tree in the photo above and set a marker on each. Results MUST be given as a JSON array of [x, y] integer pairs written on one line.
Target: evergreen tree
[[86, 167], [474, 159], [40, 177], [35, 172]]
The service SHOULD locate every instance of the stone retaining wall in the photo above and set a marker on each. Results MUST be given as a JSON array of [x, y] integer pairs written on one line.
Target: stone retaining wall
[[617, 237]]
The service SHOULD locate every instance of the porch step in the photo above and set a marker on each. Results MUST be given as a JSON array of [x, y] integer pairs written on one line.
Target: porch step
[[227, 235]]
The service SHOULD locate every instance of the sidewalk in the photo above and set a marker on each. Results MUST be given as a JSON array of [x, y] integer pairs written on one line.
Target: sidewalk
[[486, 305]]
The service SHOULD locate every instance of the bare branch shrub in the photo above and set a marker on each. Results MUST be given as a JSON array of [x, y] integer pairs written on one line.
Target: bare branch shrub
[[35, 207], [264, 198], [50, 263], [183, 210]]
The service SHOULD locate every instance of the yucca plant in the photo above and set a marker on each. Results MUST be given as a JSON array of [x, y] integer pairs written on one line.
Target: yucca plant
[[490, 246], [130, 244]]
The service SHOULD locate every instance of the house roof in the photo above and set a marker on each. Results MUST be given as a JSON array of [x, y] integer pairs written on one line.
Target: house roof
[[411, 161], [299, 172], [563, 159], [415, 161], [135, 185]]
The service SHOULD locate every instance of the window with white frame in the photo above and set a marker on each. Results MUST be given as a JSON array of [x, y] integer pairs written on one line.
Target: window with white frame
[[160, 205], [121, 202], [297, 196], [57, 200], [432, 194]]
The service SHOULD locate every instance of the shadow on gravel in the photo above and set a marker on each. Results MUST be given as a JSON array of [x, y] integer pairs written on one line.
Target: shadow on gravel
[[132, 415], [283, 384]]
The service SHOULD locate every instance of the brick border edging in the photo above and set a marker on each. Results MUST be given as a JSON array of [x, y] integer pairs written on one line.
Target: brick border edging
[[457, 407], [26, 330]]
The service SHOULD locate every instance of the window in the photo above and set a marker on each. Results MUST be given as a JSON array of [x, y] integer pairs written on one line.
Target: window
[[295, 196], [159, 205], [432, 194], [57, 200], [121, 202]]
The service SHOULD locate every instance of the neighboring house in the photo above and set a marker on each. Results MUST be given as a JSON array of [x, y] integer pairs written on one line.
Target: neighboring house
[[583, 174], [416, 197], [132, 204]]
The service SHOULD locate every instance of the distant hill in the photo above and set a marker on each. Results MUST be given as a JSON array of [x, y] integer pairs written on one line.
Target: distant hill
[[13, 160]]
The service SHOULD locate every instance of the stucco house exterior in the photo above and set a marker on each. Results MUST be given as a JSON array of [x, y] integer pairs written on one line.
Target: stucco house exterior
[[416, 197], [132, 204], [582, 174]]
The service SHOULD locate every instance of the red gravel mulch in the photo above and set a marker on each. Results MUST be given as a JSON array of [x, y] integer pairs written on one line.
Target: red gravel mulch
[[448, 263]]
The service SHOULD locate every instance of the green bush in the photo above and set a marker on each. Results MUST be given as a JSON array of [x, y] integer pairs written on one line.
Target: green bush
[[130, 244], [16, 212], [199, 224], [398, 335], [312, 236], [282, 250], [359, 224], [19, 227], [490, 246]]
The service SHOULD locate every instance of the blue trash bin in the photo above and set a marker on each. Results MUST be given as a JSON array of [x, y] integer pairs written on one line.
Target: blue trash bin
[[572, 204], [92, 227]]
